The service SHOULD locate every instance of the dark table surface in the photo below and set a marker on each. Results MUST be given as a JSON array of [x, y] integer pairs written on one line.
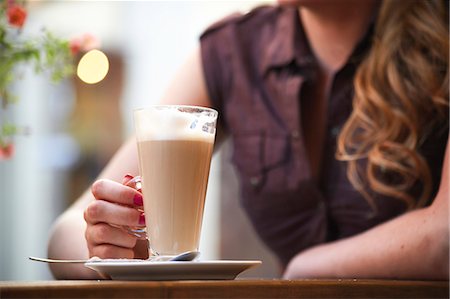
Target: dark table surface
[[241, 288]]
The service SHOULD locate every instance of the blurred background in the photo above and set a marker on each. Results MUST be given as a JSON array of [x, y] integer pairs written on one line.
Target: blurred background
[[76, 127]]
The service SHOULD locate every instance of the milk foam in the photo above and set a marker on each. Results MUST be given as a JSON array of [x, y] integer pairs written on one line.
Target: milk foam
[[173, 124]]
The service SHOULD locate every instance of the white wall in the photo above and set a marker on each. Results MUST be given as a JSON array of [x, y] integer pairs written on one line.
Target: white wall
[[155, 37]]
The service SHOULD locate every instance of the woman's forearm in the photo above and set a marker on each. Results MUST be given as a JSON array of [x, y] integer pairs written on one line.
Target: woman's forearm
[[67, 241], [67, 238], [412, 246]]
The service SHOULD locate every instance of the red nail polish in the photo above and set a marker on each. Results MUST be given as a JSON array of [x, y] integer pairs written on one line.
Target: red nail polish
[[142, 219], [126, 179], [138, 200]]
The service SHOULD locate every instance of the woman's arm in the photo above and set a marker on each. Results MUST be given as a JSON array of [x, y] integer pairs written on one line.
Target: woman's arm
[[67, 240], [412, 246]]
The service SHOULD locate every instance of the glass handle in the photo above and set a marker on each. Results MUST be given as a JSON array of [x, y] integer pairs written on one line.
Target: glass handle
[[137, 231]]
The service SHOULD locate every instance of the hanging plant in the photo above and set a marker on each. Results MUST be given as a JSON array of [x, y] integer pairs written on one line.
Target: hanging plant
[[44, 52]]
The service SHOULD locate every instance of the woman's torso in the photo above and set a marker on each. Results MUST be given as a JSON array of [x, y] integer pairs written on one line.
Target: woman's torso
[[261, 75]]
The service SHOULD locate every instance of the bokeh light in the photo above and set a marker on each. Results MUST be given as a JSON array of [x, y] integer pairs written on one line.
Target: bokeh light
[[93, 67]]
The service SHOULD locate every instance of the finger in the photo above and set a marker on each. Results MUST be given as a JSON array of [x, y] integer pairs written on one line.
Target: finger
[[103, 211], [114, 192], [102, 233], [107, 251]]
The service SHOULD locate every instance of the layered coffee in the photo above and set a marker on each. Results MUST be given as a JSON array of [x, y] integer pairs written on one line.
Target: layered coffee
[[174, 161]]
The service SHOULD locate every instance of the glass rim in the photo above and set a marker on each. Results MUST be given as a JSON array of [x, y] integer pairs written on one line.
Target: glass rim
[[212, 110]]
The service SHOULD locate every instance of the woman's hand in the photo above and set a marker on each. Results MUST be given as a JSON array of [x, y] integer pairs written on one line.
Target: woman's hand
[[115, 206]]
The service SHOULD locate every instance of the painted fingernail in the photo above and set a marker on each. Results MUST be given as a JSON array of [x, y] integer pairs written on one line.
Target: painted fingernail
[[142, 219], [138, 200], [126, 178]]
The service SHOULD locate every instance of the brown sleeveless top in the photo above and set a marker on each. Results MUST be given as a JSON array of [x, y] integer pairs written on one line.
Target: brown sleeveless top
[[258, 68]]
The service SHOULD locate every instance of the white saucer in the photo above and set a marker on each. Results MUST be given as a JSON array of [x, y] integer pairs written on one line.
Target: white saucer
[[147, 270]]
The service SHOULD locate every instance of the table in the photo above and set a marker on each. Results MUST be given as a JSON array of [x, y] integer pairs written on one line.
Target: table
[[341, 288]]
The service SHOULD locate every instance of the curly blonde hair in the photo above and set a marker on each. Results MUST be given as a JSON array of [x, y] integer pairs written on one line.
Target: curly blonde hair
[[401, 94]]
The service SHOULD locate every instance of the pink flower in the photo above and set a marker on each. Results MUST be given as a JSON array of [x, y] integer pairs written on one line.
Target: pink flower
[[83, 43], [6, 151], [75, 46], [16, 15]]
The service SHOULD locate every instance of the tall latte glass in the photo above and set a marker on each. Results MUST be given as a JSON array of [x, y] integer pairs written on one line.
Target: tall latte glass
[[175, 145]]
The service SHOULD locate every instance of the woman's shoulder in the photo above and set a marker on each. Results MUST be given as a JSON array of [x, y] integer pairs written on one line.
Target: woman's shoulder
[[248, 23]]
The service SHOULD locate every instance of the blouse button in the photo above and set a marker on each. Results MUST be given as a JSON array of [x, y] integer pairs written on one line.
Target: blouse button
[[255, 180], [295, 134]]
